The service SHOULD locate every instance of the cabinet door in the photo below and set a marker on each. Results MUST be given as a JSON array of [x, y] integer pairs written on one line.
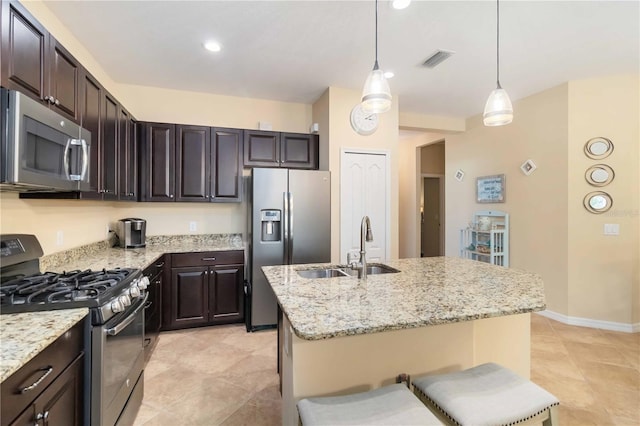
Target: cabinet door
[[61, 403], [158, 162], [91, 94], [189, 296], [226, 165], [110, 148], [64, 78], [261, 149], [127, 164], [192, 163], [299, 151], [226, 294], [24, 51]]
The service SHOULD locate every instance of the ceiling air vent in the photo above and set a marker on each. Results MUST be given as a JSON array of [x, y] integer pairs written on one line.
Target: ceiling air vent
[[437, 57]]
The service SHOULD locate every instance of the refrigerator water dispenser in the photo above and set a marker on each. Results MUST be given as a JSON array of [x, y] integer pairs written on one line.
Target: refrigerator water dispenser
[[270, 225]]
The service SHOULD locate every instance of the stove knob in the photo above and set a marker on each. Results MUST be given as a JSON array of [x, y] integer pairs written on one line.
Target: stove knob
[[117, 306], [124, 299], [134, 292], [143, 283]]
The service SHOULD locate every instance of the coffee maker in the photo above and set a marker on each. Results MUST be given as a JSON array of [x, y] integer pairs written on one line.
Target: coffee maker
[[132, 232]]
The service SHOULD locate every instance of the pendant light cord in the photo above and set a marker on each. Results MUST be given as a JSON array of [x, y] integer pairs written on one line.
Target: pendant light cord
[[375, 65], [497, 43]]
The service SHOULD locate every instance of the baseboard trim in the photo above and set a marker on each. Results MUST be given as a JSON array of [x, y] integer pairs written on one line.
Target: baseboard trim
[[586, 322]]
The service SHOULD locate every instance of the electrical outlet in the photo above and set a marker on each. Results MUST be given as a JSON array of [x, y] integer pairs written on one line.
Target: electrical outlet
[[193, 226], [611, 229], [59, 238]]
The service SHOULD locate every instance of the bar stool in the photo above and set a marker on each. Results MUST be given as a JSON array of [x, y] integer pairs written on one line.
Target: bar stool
[[488, 394], [388, 405]]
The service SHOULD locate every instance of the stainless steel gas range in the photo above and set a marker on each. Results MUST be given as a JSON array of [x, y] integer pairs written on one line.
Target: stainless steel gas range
[[114, 344]]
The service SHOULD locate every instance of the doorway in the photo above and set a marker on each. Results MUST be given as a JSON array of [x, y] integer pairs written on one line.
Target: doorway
[[432, 216]]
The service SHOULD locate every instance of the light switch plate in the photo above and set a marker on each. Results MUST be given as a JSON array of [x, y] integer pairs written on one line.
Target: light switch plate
[[193, 226], [611, 229]]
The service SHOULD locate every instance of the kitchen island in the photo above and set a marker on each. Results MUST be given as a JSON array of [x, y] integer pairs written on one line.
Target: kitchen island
[[343, 335]]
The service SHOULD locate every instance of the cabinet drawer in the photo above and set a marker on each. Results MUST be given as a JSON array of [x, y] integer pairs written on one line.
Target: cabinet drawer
[[155, 268], [56, 357], [232, 257]]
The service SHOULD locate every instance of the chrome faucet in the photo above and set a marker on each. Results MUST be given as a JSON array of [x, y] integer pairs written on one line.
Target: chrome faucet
[[365, 236]]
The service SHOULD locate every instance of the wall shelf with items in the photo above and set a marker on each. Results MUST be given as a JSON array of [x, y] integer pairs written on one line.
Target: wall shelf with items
[[486, 239]]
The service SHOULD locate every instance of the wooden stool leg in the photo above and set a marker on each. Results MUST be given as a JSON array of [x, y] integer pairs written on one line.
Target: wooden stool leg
[[553, 417]]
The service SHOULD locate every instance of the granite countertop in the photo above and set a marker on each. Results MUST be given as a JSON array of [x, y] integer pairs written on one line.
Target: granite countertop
[[23, 336], [102, 255], [427, 291]]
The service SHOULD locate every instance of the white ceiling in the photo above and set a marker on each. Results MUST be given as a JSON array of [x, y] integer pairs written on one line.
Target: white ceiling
[[293, 50]]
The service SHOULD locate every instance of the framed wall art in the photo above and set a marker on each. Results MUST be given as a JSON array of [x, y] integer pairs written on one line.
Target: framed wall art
[[490, 189]]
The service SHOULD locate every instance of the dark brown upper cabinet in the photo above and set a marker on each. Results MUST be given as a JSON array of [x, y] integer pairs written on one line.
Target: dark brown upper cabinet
[[157, 162], [127, 157], [193, 147], [261, 148], [34, 63], [207, 163], [226, 165], [299, 151], [274, 149], [109, 148], [91, 94]]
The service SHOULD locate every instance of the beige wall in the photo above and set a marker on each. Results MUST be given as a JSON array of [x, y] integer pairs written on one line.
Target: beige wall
[[537, 204], [432, 159], [341, 135], [603, 270], [409, 188]]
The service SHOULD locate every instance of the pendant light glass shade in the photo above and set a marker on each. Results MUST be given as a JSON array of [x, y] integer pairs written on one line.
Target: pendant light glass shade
[[376, 96], [498, 110]]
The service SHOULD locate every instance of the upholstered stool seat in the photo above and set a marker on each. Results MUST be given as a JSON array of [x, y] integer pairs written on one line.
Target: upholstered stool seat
[[389, 405], [486, 395]]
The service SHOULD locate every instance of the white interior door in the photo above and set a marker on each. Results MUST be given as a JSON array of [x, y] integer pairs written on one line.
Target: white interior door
[[364, 184]]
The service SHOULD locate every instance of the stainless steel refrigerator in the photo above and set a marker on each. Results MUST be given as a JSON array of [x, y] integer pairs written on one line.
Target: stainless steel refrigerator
[[290, 223]]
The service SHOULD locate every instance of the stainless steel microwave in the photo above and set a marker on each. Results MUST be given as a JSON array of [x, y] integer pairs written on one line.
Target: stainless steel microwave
[[41, 150]]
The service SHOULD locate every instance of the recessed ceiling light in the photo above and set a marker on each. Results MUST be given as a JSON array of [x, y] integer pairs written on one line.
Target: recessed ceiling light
[[400, 4], [388, 74], [212, 46]]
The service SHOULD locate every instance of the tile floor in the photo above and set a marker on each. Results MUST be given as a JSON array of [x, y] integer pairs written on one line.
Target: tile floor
[[225, 376]]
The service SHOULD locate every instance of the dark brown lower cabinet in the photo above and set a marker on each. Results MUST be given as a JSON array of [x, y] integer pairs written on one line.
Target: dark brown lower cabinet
[[60, 403], [49, 388], [205, 289]]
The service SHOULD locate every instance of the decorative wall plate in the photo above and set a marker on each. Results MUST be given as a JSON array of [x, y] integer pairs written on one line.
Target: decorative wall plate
[[528, 167], [459, 175], [598, 148], [599, 175], [597, 202]]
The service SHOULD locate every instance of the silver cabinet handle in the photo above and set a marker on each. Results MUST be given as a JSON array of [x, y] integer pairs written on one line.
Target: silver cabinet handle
[[35, 384], [208, 258], [171, 196]]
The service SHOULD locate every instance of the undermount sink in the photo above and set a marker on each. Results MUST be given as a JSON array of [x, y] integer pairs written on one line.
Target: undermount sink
[[345, 271], [322, 273]]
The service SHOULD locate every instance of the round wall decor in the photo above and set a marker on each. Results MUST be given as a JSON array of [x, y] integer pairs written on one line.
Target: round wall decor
[[598, 148], [599, 175], [597, 202]]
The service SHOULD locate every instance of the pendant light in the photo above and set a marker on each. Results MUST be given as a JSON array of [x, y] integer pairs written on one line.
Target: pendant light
[[376, 96], [498, 110]]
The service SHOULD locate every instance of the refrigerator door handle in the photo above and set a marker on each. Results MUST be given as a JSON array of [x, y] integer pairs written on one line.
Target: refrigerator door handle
[[286, 231], [291, 234]]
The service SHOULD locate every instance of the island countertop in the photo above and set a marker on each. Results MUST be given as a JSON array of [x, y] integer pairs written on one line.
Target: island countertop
[[23, 336], [427, 291]]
